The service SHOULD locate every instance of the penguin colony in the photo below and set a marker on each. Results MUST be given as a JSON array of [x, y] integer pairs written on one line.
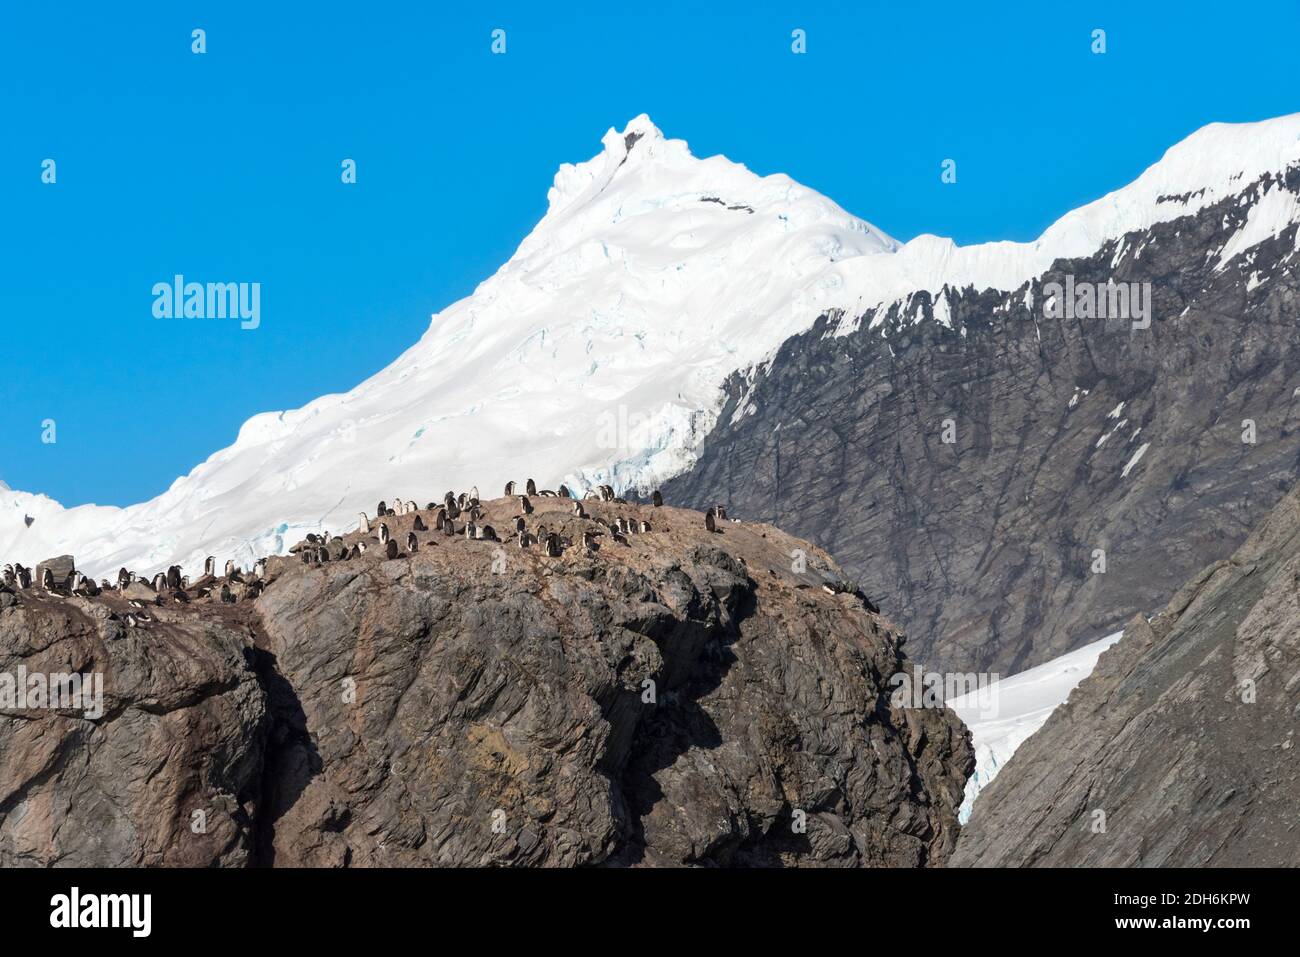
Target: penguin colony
[[457, 515]]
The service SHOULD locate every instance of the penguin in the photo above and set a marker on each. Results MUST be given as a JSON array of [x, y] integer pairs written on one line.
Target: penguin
[[656, 499], [381, 509], [520, 524], [419, 525], [553, 545], [24, 577], [510, 489], [10, 578], [180, 598], [645, 526], [720, 511], [360, 548], [578, 510], [259, 569], [384, 537], [355, 551], [547, 493], [47, 579], [589, 540], [461, 500], [473, 492], [230, 567], [564, 492], [470, 530], [391, 548], [522, 539], [130, 621], [525, 505], [210, 567], [430, 507], [530, 487], [541, 532], [607, 493], [363, 524], [305, 556], [322, 555], [311, 537], [412, 543], [488, 533], [709, 523], [620, 525], [227, 596], [174, 577]]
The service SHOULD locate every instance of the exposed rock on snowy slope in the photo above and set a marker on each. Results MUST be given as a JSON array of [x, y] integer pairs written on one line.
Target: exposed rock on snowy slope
[[476, 703], [1182, 741], [1093, 465], [600, 347]]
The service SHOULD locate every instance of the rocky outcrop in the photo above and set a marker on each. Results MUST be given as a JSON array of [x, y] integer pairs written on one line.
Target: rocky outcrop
[[1181, 748], [971, 466], [679, 697], [153, 758]]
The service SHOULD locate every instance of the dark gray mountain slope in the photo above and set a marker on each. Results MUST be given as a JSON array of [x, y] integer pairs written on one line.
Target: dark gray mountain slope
[[984, 549], [1181, 742]]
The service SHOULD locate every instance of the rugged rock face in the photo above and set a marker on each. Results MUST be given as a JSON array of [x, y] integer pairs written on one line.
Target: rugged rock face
[[985, 548], [165, 775], [1182, 741], [685, 697]]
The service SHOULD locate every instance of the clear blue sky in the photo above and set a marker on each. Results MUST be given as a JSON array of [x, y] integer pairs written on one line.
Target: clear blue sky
[[225, 166]]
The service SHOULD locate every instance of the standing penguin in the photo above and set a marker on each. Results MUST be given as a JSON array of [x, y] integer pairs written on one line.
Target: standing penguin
[[419, 525], [656, 498], [525, 506], [564, 492], [47, 579], [645, 526], [709, 523], [210, 567], [510, 489], [383, 533], [530, 487], [391, 548], [381, 509], [412, 543], [470, 530], [578, 510], [520, 524], [363, 526], [553, 548]]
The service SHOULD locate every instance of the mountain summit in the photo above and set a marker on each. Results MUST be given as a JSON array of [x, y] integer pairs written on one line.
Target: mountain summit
[[599, 351]]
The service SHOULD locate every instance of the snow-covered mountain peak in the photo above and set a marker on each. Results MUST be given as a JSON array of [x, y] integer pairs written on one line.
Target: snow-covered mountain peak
[[597, 352]]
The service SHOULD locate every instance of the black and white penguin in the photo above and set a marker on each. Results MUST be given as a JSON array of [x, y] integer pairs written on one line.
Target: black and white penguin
[[541, 532], [589, 540], [259, 569], [355, 551], [360, 548], [47, 579], [470, 530], [473, 492], [384, 537], [525, 506], [553, 548], [174, 577], [564, 492], [522, 539], [412, 543], [578, 510], [230, 567], [510, 489], [322, 555], [530, 487], [656, 498], [487, 533], [390, 549], [24, 575], [381, 509], [210, 567], [709, 523], [227, 595], [645, 526], [363, 524], [720, 511], [419, 525]]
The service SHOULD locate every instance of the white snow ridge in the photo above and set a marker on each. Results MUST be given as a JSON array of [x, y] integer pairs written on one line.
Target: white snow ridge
[[597, 352]]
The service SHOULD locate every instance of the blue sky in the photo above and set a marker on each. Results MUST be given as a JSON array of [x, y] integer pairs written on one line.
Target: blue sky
[[225, 166]]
